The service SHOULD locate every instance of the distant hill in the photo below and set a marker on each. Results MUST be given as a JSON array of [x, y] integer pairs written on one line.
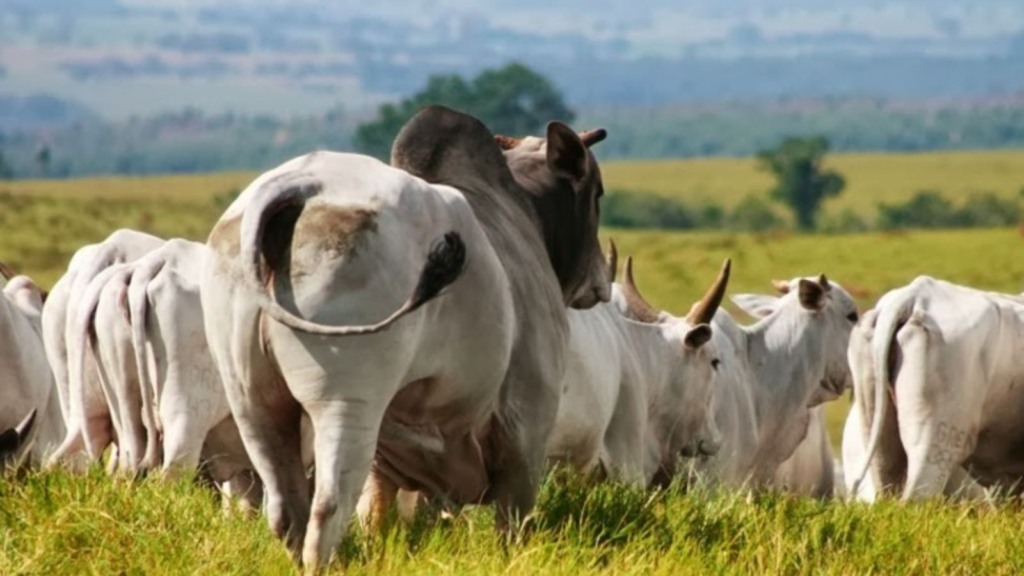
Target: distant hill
[[300, 57], [40, 111]]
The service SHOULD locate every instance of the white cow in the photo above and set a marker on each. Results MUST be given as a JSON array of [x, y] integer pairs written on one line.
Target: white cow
[[175, 370], [772, 373], [942, 394], [92, 428], [30, 411], [453, 396], [637, 393], [811, 470]]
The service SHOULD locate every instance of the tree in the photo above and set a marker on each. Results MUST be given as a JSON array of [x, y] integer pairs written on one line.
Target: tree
[[43, 160], [5, 169], [800, 180], [513, 100]]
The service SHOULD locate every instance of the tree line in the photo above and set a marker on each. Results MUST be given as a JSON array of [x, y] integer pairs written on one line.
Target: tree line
[[512, 99]]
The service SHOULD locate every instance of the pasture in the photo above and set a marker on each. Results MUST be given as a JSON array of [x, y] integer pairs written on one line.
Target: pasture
[[58, 524], [53, 523], [870, 177]]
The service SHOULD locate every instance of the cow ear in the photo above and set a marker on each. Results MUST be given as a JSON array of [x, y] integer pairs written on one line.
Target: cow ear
[[13, 440], [812, 294], [567, 156], [9, 442], [757, 305], [697, 336]]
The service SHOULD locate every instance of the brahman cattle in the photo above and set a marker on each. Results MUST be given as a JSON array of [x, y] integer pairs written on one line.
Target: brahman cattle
[[773, 372], [454, 396], [637, 393], [30, 415], [938, 393], [88, 418], [811, 469]]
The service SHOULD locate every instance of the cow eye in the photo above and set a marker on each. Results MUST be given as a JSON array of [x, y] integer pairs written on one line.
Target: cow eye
[[715, 363], [852, 317]]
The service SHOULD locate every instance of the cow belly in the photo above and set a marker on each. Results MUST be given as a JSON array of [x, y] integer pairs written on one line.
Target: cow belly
[[425, 460], [998, 457]]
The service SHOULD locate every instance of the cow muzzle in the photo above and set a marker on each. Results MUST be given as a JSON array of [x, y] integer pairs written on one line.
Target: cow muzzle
[[591, 298], [700, 448]]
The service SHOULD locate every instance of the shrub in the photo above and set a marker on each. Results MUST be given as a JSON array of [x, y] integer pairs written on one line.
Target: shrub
[[929, 209], [846, 222], [926, 209], [621, 209], [754, 214], [987, 210]]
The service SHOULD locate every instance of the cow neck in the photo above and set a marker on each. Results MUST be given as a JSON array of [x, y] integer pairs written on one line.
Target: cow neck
[[650, 346], [786, 361], [551, 224]]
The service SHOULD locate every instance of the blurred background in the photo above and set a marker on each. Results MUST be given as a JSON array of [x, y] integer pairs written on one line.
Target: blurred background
[[873, 141], [141, 86]]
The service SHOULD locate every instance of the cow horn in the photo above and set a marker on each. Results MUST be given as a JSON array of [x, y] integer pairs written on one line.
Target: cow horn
[[506, 142], [704, 311], [591, 137], [613, 259], [824, 282], [7, 271], [781, 286], [638, 307]]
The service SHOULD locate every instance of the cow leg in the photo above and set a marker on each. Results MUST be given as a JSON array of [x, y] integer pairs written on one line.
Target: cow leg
[[962, 485], [183, 442], [69, 451], [515, 486], [623, 440], [230, 468], [377, 499], [931, 425], [267, 417], [245, 489], [407, 503], [345, 432], [132, 437]]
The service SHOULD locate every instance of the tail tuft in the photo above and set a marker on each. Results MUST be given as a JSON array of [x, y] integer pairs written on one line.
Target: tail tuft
[[445, 263]]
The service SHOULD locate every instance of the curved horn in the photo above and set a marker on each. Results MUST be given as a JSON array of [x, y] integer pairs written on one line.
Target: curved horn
[[7, 271], [591, 137], [824, 282], [638, 307], [613, 259], [506, 142], [704, 311], [781, 286]]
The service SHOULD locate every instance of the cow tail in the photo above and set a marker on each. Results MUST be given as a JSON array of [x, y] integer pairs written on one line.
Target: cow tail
[[78, 350], [890, 320], [444, 263], [138, 309]]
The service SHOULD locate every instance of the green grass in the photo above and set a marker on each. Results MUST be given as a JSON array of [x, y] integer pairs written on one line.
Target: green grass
[[870, 178], [54, 523], [44, 222]]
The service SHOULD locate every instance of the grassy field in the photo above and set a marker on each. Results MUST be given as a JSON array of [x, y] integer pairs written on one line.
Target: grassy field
[[44, 222], [54, 524], [870, 178]]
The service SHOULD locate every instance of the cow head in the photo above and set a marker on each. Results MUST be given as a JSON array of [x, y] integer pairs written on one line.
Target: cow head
[[564, 184], [555, 179], [827, 312], [26, 294], [694, 363], [15, 441]]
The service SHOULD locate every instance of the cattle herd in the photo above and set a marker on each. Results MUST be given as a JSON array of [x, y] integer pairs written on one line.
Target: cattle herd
[[356, 336]]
